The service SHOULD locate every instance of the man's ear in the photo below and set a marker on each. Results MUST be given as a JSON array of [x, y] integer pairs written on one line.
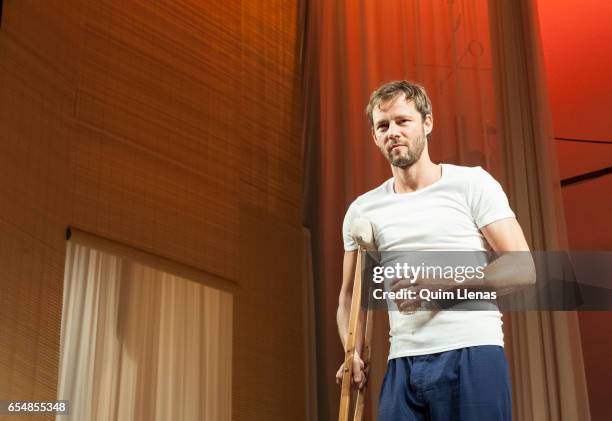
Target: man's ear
[[428, 124]]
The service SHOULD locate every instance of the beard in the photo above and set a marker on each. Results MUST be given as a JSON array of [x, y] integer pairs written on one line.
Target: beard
[[408, 157]]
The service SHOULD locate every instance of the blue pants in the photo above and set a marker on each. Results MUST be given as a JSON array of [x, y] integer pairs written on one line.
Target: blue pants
[[463, 384]]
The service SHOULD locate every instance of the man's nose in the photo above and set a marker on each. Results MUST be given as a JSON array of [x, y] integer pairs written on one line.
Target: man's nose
[[393, 131]]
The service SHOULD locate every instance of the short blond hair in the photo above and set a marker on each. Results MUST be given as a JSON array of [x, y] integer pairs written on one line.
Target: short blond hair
[[412, 92]]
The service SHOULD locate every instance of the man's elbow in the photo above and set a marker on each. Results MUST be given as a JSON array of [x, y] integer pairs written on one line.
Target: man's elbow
[[513, 270], [527, 271]]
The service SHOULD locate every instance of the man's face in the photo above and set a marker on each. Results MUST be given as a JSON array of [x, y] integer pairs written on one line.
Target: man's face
[[399, 131]]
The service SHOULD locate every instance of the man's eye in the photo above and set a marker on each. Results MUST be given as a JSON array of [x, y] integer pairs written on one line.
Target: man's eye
[[382, 128]]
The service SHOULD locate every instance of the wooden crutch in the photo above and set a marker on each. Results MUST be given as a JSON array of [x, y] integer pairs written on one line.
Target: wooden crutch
[[362, 233]]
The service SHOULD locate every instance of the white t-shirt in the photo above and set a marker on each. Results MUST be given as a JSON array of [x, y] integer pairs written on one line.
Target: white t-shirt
[[446, 215]]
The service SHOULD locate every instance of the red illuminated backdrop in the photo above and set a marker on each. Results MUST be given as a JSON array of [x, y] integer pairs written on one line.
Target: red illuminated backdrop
[[445, 45], [577, 43]]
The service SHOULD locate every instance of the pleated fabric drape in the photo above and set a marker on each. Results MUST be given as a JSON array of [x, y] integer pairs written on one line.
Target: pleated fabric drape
[[351, 48], [139, 343], [544, 348], [456, 50]]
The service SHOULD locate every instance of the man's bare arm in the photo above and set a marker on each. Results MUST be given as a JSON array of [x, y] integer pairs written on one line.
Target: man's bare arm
[[346, 292], [505, 235], [343, 314], [513, 269]]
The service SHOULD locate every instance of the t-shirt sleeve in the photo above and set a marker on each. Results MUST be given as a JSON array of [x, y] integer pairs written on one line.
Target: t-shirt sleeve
[[487, 199], [351, 213]]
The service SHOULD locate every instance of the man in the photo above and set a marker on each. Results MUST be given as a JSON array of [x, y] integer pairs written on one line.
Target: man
[[442, 365]]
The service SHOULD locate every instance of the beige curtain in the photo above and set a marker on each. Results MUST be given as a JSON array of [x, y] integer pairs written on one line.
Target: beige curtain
[[544, 347], [141, 344]]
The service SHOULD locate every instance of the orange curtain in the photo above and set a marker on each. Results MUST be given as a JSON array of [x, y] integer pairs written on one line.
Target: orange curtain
[[352, 47]]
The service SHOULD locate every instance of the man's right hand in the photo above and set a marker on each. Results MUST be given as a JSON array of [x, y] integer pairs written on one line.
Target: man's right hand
[[410, 305], [359, 369]]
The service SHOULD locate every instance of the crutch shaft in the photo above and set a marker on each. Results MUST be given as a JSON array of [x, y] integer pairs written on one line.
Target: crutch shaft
[[367, 349], [345, 396]]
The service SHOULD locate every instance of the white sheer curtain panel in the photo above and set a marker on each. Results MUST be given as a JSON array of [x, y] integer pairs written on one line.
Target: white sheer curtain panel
[[141, 344]]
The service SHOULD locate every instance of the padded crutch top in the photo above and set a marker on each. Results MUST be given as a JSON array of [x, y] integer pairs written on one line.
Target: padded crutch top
[[362, 233]]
